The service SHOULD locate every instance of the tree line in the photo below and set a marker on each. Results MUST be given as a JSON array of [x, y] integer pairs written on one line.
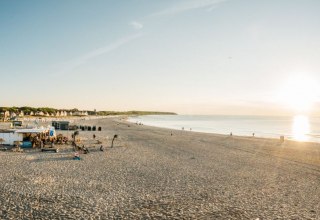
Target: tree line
[[27, 110]]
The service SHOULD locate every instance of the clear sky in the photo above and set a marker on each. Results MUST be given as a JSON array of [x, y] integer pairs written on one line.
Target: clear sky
[[187, 56]]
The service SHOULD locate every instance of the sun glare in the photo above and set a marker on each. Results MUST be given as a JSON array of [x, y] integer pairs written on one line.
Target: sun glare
[[300, 128], [299, 93]]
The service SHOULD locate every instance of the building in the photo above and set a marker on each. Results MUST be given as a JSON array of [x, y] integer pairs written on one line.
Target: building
[[80, 113], [61, 125], [10, 136], [63, 113], [17, 123], [21, 114], [40, 113]]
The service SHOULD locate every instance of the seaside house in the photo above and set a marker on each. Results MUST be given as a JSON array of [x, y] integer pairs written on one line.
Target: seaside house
[[63, 113], [81, 113], [57, 114], [16, 124], [40, 113], [5, 115], [13, 115], [25, 135], [21, 114], [77, 113], [31, 113], [10, 136], [61, 125]]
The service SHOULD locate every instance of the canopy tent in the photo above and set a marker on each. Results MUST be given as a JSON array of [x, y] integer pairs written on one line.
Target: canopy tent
[[32, 130]]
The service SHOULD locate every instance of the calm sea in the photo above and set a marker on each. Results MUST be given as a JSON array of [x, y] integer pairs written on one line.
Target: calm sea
[[300, 127]]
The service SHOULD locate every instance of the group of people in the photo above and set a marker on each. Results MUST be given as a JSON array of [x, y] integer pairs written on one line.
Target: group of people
[[84, 150], [39, 140]]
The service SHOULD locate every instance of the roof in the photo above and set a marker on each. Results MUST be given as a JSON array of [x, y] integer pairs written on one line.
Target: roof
[[32, 130], [6, 131], [61, 121]]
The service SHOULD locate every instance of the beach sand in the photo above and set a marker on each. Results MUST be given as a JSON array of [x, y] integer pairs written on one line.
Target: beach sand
[[149, 174]]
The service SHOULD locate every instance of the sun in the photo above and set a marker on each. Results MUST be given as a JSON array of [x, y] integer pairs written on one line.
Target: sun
[[299, 93], [300, 128]]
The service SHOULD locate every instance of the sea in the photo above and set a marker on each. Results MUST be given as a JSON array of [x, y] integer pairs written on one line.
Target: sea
[[298, 128]]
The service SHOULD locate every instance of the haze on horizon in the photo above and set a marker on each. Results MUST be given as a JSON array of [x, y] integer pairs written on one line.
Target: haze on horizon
[[186, 56]]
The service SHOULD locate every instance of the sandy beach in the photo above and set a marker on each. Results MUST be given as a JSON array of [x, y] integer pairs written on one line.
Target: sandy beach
[[149, 174]]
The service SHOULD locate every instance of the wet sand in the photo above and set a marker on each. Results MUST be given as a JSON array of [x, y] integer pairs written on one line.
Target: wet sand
[[149, 174]]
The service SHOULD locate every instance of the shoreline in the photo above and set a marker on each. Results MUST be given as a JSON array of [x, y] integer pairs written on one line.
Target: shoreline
[[226, 135]]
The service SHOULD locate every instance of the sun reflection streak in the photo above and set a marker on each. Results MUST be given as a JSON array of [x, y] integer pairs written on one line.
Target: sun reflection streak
[[300, 128]]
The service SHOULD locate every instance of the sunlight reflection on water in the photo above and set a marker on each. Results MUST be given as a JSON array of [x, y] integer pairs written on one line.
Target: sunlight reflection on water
[[300, 128]]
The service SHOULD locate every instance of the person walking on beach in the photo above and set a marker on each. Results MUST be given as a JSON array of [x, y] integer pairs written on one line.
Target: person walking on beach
[[85, 149]]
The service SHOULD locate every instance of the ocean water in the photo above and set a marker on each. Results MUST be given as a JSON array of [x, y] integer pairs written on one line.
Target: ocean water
[[299, 127]]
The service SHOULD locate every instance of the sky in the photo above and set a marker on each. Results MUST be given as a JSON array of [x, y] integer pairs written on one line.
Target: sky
[[239, 57]]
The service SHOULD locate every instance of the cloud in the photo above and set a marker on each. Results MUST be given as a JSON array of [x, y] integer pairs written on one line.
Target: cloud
[[189, 5], [72, 64], [136, 25], [211, 8]]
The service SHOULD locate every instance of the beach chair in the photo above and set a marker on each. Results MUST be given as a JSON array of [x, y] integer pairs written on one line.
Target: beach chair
[[3, 149], [76, 156], [56, 150]]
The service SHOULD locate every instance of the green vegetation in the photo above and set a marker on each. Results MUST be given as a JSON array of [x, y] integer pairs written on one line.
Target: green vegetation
[[27, 109]]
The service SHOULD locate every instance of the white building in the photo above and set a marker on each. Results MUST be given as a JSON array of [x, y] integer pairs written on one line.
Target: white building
[[6, 114], [81, 113], [12, 115], [10, 136], [63, 113], [21, 114], [40, 113]]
